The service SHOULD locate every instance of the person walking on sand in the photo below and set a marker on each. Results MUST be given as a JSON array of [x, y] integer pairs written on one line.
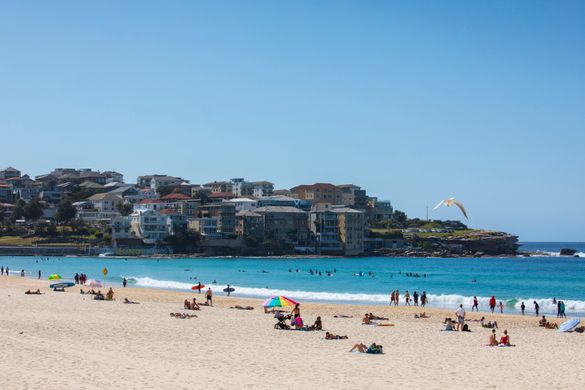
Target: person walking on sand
[[76, 278], [492, 303], [39, 274], [423, 299], [460, 313], [475, 304], [559, 309], [501, 307], [522, 307], [407, 298], [124, 282], [397, 298], [563, 315], [2, 269], [209, 297], [392, 298], [536, 308], [415, 296]]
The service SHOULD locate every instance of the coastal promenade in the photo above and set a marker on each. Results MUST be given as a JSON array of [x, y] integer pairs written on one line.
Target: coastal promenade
[[68, 339]]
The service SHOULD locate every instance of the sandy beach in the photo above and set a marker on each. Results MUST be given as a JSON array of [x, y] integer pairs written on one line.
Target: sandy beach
[[68, 339]]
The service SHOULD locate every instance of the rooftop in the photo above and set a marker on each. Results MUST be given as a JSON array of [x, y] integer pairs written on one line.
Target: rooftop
[[279, 209]]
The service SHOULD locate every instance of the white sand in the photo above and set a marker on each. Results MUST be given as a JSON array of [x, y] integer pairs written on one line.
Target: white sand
[[67, 340]]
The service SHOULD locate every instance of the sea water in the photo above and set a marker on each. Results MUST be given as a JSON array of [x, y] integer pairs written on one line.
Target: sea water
[[446, 281]]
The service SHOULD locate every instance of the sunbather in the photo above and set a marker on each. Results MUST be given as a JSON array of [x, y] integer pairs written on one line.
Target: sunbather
[[194, 305], [242, 307], [373, 348], [317, 325], [38, 292], [373, 317], [127, 301], [110, 295], [422, 315], [342, 316], [505, 339], [366, 320], [183, 315], [493, 342], [331, 336]]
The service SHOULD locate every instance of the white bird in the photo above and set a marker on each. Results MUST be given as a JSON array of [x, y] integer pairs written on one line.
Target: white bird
[[452, 201]]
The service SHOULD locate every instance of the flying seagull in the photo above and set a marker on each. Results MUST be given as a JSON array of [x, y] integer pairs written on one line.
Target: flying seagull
[[452, 201]]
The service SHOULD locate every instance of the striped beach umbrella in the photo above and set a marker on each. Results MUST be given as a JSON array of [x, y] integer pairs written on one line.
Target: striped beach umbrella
[[55, 277], [279, 301]]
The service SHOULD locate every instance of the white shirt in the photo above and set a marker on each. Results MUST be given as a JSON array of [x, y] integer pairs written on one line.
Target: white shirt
[[460, 312]]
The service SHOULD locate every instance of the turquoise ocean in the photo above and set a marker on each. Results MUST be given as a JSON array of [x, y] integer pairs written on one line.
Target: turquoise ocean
[[447, 282]]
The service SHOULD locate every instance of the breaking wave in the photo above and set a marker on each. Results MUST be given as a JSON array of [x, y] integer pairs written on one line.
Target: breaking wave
[[443, 300]]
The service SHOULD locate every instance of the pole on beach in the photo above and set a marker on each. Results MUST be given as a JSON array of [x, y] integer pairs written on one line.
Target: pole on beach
[[105, 272]]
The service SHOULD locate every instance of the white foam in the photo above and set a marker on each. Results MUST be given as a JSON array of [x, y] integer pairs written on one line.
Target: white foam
[[442, 300]]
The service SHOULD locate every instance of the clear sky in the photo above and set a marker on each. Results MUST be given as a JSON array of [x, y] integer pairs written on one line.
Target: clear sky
[[415, 101]]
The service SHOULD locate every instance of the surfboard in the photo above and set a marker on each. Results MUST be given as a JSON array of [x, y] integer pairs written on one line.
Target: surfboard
[[62, 285], [231, 289], [197, 287], [569, 325]]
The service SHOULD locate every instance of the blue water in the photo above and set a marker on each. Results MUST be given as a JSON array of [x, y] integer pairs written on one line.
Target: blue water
[[448, 282]]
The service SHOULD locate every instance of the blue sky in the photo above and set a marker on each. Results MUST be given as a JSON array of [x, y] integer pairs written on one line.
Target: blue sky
[[415, 101]]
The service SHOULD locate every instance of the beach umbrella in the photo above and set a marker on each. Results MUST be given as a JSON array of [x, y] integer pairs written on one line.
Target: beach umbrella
[[55, 277], [93, 283], [279, 301]]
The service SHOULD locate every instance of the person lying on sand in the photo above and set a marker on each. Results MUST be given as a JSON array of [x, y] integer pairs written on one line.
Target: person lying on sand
[[331, 336], [81, 291], [551, 325], [422, 315], [38, 292], [183, 315], [373, 317], [342, 316], [129, 302], [579, 329], [373, 348], [242, 307]]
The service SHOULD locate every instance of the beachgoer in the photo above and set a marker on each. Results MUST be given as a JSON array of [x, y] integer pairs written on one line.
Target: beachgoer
[[536, 308], [296, 312], [501, 307], [505, 339], [199, 287], [187, 304], [373, 348], [39, 274], [415, 297], [423, 299], [563, 315], [209, 297], [76, 278], [194, 305], [396, 298], [475, 304], [392, 297], [124, 282], [522, 307], [493, 342], [228, 290], [331, 336], [366, 320], [130, 302], [318, 325], [22, 273], [492, 303], [2, 269], [460, 313], [407, 298], [110, 295], [558, 309]]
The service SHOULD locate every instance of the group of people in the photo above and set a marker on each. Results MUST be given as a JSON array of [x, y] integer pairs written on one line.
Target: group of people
[[98, 295], [395, 298], [504, 340], [80, 278], [547, 324]]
